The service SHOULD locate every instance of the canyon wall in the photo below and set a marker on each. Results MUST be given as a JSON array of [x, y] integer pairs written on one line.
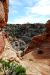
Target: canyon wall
[[39, 40], [3, 12], [3, 21]]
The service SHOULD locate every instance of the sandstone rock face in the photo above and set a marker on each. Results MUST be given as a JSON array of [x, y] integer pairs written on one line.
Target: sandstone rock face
[[42, 42], [3, 21], [48, 27], [2, 43], [3, 12]]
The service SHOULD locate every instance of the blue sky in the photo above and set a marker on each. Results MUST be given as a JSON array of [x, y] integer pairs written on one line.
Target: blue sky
[[32, 11]]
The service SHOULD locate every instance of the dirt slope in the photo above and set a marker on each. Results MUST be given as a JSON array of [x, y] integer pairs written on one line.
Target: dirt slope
[[36, 66]]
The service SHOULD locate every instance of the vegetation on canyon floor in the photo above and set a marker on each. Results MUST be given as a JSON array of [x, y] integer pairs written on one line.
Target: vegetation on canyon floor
[[11, 68]]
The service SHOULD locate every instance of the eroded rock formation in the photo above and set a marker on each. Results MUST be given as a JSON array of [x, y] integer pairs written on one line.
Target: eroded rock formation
[[2, 43], [42, 41], [3, 12], [3, 21]]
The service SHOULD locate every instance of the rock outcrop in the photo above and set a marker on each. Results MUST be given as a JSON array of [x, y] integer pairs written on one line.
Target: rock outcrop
[[3, 21], [41, 41], [3, 12], [2, 43], [9, 53]]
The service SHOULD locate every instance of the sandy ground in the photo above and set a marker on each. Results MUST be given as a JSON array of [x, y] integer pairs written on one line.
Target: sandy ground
[[36, 66]]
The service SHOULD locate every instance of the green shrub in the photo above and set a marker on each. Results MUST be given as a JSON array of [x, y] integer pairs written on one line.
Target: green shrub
[[20, 70], [21, 48], [12, 68]]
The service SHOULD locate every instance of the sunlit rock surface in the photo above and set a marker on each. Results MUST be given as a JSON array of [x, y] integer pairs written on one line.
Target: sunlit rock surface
[[2, 43], [9, 53], [3, 21], [3, 12]]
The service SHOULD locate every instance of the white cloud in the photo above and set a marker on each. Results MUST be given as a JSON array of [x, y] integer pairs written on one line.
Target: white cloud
[[44, 2], [44, 10], [15, 2], [41, 8]]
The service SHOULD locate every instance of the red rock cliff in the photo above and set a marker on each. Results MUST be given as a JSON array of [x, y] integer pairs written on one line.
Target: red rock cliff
[[3, 12], [3, 21], [38, 41]]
